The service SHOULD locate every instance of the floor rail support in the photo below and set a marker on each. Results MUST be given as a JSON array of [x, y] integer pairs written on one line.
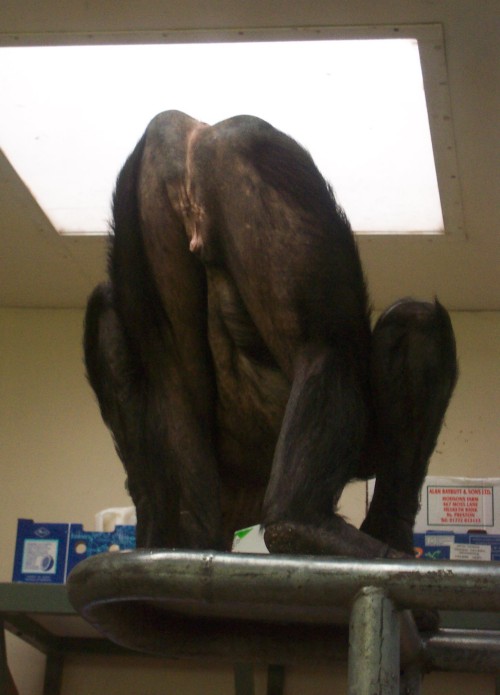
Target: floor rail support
[[374, 639]]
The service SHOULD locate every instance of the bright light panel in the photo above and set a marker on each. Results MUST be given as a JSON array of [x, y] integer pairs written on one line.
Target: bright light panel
[[69, 116]]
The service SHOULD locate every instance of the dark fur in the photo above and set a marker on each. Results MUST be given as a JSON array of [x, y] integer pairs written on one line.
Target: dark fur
[[232, 355]]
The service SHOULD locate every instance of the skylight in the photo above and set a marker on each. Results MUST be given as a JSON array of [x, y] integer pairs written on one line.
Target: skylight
[[69, 116]]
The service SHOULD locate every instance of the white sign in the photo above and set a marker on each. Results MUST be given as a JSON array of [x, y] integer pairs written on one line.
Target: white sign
[[462, 551], [460, 506]]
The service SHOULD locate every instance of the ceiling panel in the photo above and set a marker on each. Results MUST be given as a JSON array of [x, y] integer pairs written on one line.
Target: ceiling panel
[[39, 268]]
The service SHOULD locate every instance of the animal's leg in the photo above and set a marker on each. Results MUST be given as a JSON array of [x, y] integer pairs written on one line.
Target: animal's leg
[[324, 421], [159, 298], [414, 370], [115, 380], [141, 415], [318, 452]]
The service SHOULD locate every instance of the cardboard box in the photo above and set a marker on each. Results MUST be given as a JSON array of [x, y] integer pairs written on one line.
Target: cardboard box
[[459, 519], [46, 553], [249, 540], [461, 505], [439, 545], [83, 544], [41, 551]]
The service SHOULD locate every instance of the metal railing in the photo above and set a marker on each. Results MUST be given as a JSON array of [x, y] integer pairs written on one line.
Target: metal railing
[[257, 607]]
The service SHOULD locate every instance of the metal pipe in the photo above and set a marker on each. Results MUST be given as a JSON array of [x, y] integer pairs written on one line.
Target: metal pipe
[[373, 645], [458, 650], [252, 606], [253, 585]]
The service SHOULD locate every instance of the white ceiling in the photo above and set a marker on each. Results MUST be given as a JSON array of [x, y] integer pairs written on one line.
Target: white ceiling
[[41, 269]]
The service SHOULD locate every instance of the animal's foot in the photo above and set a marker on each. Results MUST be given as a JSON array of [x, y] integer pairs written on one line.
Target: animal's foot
[[337, 538]]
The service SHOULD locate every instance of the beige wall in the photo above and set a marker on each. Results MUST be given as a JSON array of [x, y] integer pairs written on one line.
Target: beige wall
[[57, 463]]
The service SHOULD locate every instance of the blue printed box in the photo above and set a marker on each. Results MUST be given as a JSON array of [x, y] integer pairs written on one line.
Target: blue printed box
[[41, 552], [447, 545], [83, 544], [46, 553]]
